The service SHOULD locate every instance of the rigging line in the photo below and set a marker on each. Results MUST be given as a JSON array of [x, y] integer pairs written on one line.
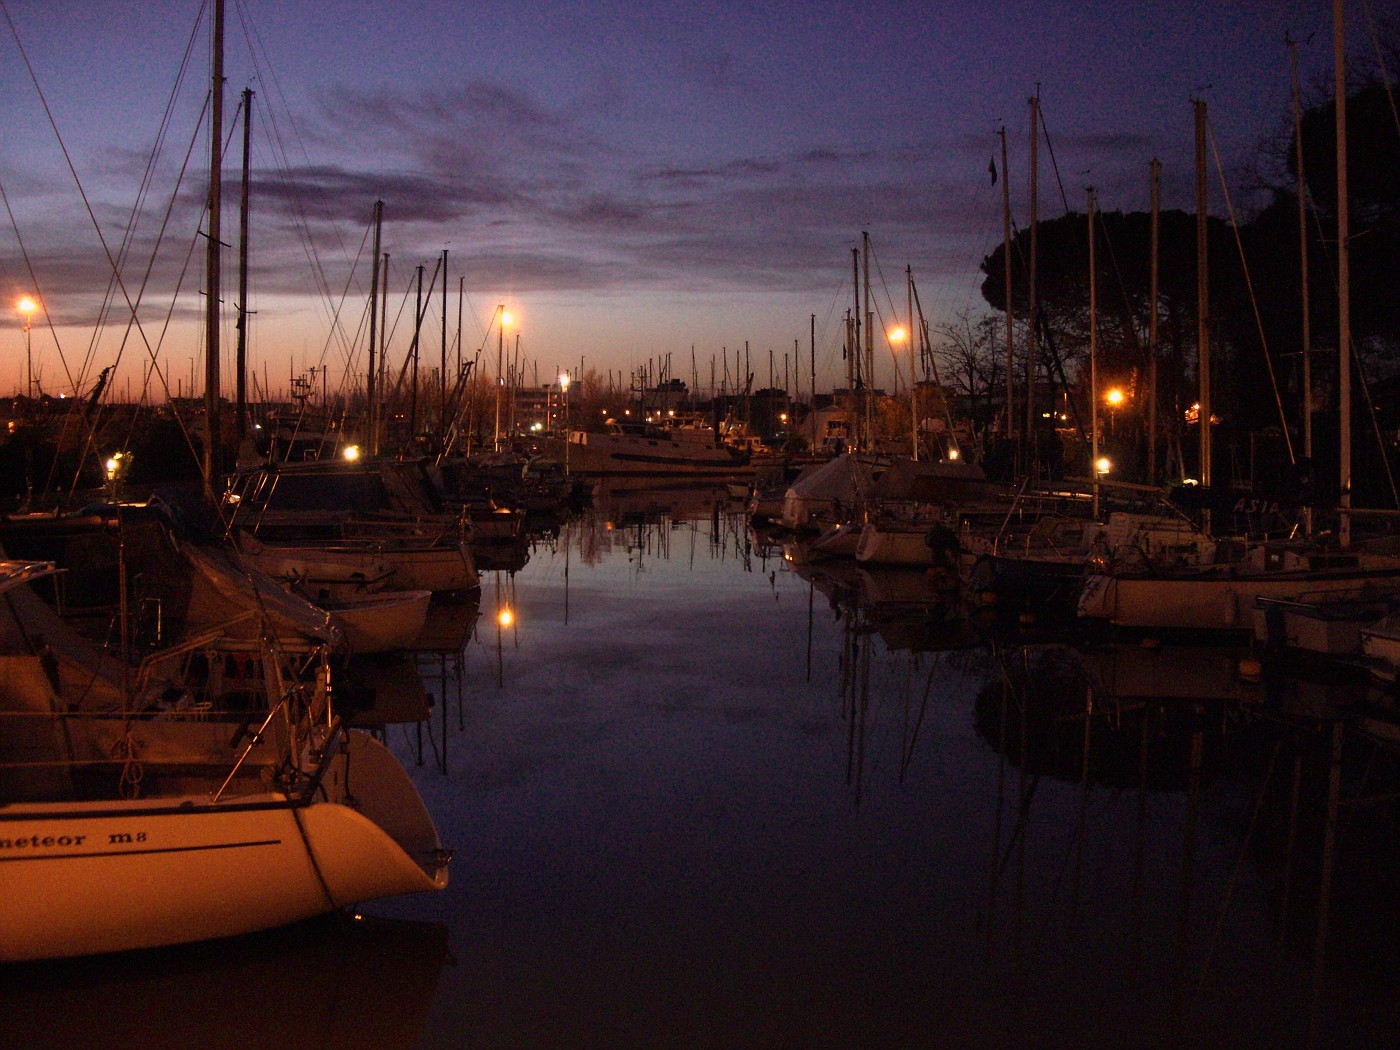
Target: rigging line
[[348, 345], [1045, 130], [68, 160], [1355, 351], [137, 209], [1380, 61], [281, 161], [1253, 300], [113, 265], [1101, 228], [150, 267]]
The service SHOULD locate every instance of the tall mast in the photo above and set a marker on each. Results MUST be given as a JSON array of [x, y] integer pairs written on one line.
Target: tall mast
[[413, 390], [913, 352], [1302, 191], [869, 319], [1339, 45], [1093, 357], [371, 387], [383, 349], [442, 367], [1009, 428], [1032, 305], [1202, 295], [241, 423], [211, 264], [1155, 252], [812, 409], [853, 352]]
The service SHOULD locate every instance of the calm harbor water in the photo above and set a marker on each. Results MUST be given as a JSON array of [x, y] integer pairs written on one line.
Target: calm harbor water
[[703, 797]]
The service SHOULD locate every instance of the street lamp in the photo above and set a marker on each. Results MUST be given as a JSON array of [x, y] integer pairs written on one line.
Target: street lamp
[[1114, 398], [27, 306], [900, 334], [504, 320], [564, 385]]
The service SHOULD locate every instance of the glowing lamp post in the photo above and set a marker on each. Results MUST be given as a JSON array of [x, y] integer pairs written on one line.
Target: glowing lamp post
[[899, 334], [1113, 398], [27, 306], [504, 321], [564, 385]]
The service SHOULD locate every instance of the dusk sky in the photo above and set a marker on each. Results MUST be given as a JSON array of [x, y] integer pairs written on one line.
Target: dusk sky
[[631, 179]]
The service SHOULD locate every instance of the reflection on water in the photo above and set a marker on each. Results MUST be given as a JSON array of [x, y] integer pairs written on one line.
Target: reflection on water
[[336, 982], [705, 795]]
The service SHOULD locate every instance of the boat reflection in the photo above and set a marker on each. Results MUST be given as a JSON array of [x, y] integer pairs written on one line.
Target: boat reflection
[[336, 982]]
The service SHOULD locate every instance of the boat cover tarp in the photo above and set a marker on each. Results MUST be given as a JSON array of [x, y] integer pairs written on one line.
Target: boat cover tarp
[[833, 487]]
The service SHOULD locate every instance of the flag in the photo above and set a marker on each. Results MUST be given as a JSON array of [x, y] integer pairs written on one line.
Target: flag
[[992, 169]]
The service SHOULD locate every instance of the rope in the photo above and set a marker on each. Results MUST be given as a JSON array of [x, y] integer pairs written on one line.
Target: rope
[[1253, 300]]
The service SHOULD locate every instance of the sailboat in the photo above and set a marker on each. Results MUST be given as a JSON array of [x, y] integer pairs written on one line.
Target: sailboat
[[1220, 593], [181, 786], [210, 791]]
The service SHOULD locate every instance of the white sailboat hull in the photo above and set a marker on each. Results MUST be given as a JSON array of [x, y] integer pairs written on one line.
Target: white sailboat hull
[[88, 877], [886, 544], [1205, 601]]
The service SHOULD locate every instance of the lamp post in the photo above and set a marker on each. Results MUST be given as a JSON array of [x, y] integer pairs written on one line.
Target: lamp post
[[564, 385], [27, 306], [1114, 398], [503, 320], [900, 334]]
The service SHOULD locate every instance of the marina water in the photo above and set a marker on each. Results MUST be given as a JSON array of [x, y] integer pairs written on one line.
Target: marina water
[[701, 796]]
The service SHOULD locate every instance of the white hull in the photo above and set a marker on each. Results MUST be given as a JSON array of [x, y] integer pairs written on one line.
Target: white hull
[[1380, 645], [661, 453], [382, 623], [88, 877], [448, 568], [1212, 601], [1325, 628], [894, 545]]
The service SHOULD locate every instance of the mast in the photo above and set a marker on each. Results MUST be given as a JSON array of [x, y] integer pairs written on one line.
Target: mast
[[500, 365], [211, 263], [913, 352], [1093, 358], [869, 319], [1343, 276], [442, 368], [812, 409], [383, 348], [241, 422], [1032, 305], [853, 351], [417, 332], [1010, 426], [1303, 262], [1202, 296], [1155, 252], [371, 388]]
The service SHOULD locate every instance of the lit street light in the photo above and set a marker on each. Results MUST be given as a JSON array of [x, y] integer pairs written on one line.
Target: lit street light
[[564, 385], [505, 319], [27, 306], [900, 334], [1114, 398]]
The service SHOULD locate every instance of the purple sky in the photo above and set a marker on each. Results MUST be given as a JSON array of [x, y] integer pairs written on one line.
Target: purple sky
[[631, 179]]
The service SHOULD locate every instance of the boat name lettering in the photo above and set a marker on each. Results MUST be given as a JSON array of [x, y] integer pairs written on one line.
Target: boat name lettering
[[1255, 506], [42, 841], [124, 838]]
